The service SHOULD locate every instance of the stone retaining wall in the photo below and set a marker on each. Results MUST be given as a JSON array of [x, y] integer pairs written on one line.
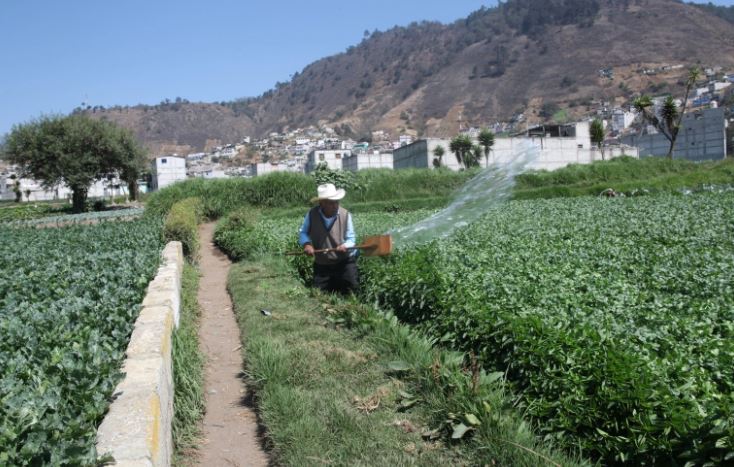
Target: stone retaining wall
[[137, 428]]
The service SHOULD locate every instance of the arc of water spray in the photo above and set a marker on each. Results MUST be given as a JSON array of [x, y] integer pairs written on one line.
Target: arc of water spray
[[491, 187]]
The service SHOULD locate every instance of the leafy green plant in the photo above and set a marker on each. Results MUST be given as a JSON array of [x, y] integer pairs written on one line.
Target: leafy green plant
[[234, 233], [68, 301], [182, 224], [83, 218], [611, 317], [27, 211], [339, 178]]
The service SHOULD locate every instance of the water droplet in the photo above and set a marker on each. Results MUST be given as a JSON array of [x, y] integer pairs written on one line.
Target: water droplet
[[488, 189]]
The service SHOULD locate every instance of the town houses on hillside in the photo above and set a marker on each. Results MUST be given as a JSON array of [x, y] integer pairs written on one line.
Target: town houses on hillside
[[305, 149], [708, 118]]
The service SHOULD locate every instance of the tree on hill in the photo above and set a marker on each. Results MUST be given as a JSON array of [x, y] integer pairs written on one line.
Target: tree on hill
[[596, 131], [669, 118], [723, 12], [533, 17], [75, 150], [461, 146], [486, 140]]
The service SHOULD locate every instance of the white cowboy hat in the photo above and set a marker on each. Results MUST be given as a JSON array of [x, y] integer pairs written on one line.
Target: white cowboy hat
[[330, 192]]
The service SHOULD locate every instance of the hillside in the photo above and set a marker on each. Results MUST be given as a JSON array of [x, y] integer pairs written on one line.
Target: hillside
[[492, 65]]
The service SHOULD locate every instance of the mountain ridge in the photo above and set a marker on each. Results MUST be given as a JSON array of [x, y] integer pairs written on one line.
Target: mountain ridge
[[428, 78]]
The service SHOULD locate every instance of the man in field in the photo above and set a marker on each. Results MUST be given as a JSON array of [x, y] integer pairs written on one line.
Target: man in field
[[329, 227]]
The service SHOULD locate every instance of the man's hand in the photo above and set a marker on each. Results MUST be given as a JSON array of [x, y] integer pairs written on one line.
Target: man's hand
[[308, 249], [341, 248]]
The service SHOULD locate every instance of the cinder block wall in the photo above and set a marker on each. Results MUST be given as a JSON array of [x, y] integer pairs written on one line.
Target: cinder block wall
[[137, 428]]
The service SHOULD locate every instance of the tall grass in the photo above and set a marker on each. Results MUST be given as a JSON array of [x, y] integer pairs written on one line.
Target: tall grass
[[622, 174], [396, 185], [181, 224], [378, 395], [284, 190], [188, 370], [222, 196]]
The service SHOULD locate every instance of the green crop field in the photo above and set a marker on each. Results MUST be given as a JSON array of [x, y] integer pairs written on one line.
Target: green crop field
[[26, 211], [613, 319], [85, 217], [68, 300]]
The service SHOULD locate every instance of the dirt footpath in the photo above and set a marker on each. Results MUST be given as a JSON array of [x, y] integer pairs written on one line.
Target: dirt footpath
[[230, 427]]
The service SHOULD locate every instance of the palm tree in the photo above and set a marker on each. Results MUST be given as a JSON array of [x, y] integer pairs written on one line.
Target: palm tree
[[670, 116], [597, 135], [475, 155], [486, 140], [438, 152], [461, 146]]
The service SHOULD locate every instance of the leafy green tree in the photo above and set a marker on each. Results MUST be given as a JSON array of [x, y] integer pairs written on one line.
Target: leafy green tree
[[461, 146], [597, 135], [668, 122], [75, 150], [486, 140], [438, 153]]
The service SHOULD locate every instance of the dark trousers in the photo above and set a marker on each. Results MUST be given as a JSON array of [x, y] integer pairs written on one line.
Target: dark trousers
[[341, 277]]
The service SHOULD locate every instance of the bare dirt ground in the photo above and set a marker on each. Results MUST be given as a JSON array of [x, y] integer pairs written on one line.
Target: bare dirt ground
[[230, 428]]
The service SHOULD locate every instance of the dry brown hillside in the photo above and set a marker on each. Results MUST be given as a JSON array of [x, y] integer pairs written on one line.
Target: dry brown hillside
[[495, 63]]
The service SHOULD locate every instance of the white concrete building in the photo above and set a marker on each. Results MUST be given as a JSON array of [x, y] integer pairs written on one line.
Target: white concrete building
[[196, 156], [33, 190], [264, 168], [718, 86], [361, 161], [167, 170], [622, 119], [227, 151], [473, 132], [331, 157], [701, 91], [702, 137], [379, 135], [420, 155], [557, 145], [208, 172]]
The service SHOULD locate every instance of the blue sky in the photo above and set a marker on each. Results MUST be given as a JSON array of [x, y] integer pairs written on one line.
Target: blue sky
[[58, 54]]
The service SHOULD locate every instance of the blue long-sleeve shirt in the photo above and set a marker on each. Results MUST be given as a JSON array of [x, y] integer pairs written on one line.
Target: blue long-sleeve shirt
[[350, 241]]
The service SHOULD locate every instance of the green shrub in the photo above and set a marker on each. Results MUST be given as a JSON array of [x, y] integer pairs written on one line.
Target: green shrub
[[233, 234], [99, 204], [182, 224], [219, 197], [340, 178]]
